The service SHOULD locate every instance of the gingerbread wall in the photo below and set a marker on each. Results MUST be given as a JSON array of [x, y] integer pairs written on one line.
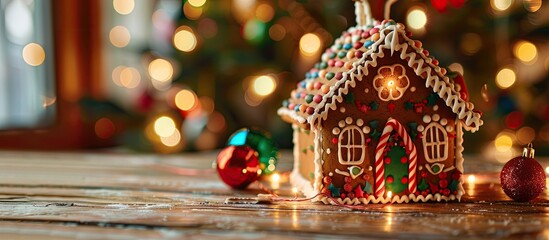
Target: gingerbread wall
[[363, 111]]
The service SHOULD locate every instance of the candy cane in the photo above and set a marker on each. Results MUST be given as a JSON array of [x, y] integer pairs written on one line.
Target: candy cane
[[393, 124]]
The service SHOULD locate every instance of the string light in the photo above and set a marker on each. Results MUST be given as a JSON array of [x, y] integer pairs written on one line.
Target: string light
[[197, 3], [417, 18], [184, 39], [161, 70], [264, 12], [164, 126], [505, 78], [185, 100], [310, 44], [191, 12], [129, 77], [503, 142], [501, 5], [123, 7], [33, 54], [119, 36], [264, 85], [173, 140], [471, 179], [525, 51], [532, 5]]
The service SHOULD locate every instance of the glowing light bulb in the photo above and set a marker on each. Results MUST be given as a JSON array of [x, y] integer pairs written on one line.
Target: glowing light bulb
[[184, 39], [525, 51], [501, 5], [264, 85], [309, 44], [417, 18], [164, 126], [185, 100], [471, 179], [505, 78], [34, 54], [161, 70]]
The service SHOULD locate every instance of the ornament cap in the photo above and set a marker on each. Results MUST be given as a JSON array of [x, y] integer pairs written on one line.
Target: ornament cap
[[529, 151]]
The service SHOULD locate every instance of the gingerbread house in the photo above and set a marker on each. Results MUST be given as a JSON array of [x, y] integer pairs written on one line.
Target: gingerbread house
[[377, 120]]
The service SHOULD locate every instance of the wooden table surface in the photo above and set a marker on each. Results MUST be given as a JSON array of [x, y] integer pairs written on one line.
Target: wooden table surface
[[129, 196]]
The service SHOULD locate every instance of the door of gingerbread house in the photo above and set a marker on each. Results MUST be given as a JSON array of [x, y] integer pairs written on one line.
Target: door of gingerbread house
[[395, 161]]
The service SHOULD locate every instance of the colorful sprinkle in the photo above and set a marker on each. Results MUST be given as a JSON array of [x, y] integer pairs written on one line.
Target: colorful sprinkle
[[325, 89], [339, 75], [375, 36], [317, 99], [373, 31], [368, 43], [339, 64], [342, 54], [330, 75], [310, 110], [309, 98], [317, 85], [359, 54], [323, 65], [348, 46]]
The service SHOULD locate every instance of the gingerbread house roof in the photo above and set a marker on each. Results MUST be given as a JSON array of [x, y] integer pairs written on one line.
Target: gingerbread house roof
[[345, 63]]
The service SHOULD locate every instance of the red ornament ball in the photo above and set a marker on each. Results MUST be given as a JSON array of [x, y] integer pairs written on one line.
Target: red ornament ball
[[522, 179], [238, 166]]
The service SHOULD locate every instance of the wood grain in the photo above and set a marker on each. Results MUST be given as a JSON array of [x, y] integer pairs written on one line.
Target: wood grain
[[128, 196]]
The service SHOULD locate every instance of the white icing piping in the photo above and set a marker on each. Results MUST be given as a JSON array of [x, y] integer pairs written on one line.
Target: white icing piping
[[363, 13], [317, 130], [395, 199], [459, 155], [387, 12], [434, 79]]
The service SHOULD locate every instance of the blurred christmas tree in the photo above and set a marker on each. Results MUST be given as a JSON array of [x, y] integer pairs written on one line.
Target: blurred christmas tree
[[216, 66]]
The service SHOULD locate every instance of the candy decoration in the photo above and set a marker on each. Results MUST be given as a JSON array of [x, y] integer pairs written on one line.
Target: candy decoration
[[258, 141], [523, 178], [238, 166], [393, 124]]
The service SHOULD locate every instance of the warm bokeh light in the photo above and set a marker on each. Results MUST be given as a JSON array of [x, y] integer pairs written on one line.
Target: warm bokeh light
[[501, 5], [48, 101], [505, 78], [161, 70], [526, 135], [389, 194], [264, 85], [547, 170], [532, 5], [471, 179], [525, 51], [207, 28], [191, 12], [504, 142], [275, 181], [116, 74], [264, 12], [164, 126], [34, 54], [471, 43], [277, 32], [104, 128], [119, 36], [123, 7], [129, 77], [185, 100], [172, 140], [216, 123], [310, 44], [416, 19], [197, 3], [184, 39], [254, 30]]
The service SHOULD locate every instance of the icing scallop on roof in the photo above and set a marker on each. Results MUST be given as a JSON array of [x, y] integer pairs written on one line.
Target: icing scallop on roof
[[347, 61]]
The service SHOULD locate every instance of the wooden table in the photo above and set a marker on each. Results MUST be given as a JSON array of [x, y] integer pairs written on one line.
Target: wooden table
[[128, 196]]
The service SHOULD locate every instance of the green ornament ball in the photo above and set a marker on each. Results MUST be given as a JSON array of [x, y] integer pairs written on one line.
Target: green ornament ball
[[260, 142]]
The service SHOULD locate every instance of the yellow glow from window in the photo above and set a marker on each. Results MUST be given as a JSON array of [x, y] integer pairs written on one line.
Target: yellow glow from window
[[173, 140], [34, 54], [185, 100], [264, 85], [417, 19], [184, 39], [525, 51], [501, 5], [197, 3], [161, 70], [119, 36], [503, 142], [123, 7], [164, 127], [264, 12], [309, 44], [505, 78], [129, 77]]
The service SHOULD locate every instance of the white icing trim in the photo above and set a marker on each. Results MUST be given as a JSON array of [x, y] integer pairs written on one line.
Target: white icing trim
[[400, 90], [459, 155], [296, 179], [395, 199], [449, 169], [434, 129], [387, 12], [428, 167], [317, 185], [346, 174], [349, 133], [417, 60]]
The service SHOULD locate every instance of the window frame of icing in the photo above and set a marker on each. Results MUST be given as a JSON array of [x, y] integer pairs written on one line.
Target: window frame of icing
[[430, 146]]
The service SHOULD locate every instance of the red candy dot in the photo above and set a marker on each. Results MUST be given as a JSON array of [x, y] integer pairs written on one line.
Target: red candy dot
[[404, 180], [334, 140], [317, 99], [317, 85], [390, 179], [347, 187], [443, 183], [387, 160], [348, 179], [310, 110], [327, 180]]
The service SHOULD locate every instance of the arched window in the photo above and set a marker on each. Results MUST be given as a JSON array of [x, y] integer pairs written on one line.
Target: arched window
[[435, 143], [351, 146]]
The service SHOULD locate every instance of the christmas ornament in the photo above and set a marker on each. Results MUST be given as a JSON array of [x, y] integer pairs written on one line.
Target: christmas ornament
[[238, 166], [257, 140], [523, 178]]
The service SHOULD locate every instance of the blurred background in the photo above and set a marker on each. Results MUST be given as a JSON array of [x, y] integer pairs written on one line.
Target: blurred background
[[170, 76]]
